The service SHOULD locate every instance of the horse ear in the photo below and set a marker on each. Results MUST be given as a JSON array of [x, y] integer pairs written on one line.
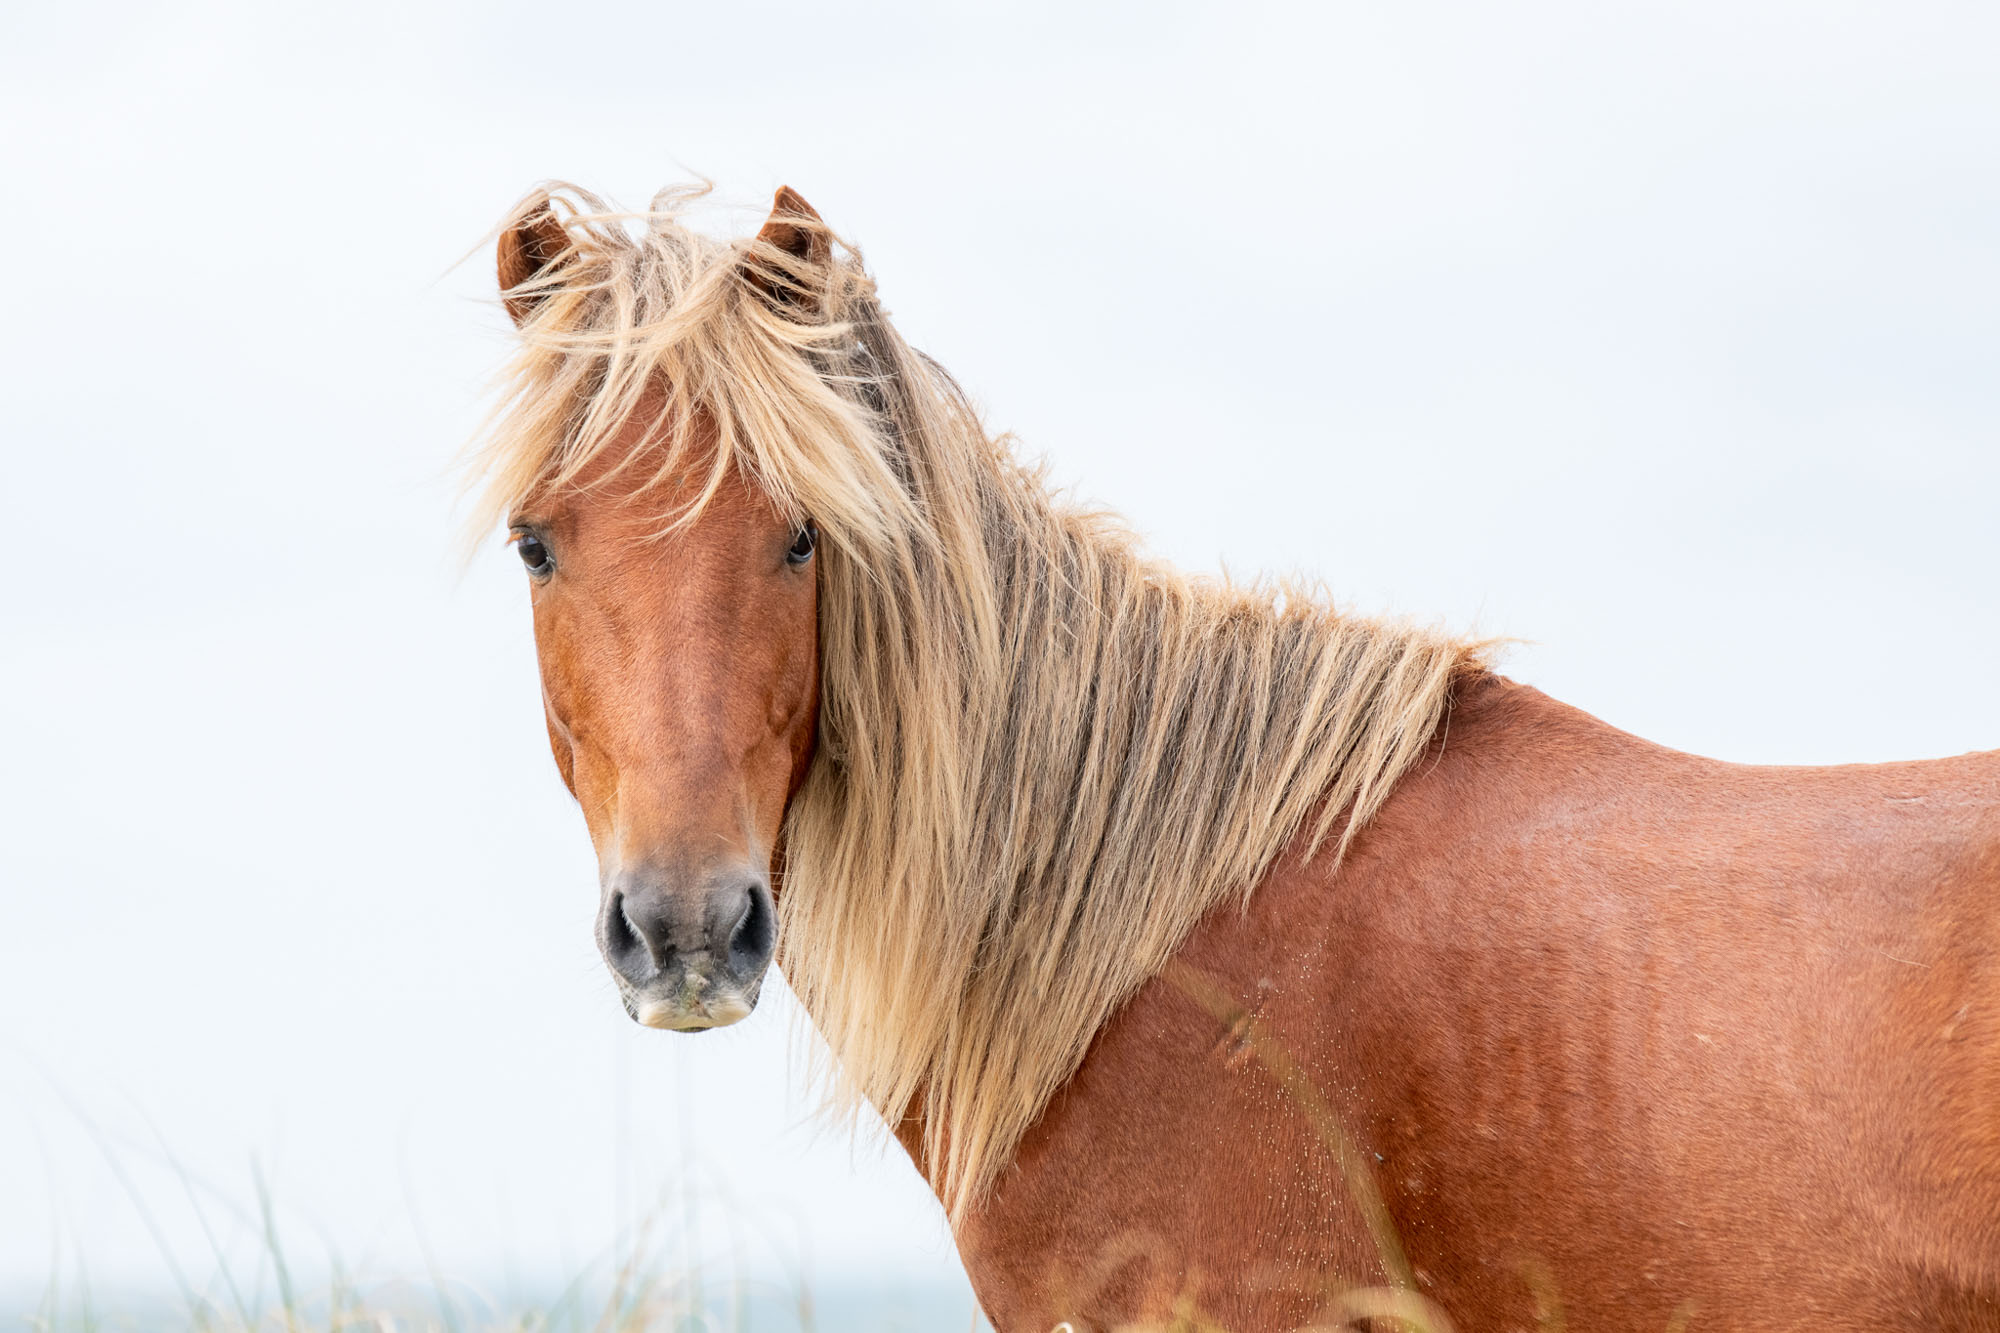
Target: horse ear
[[796, 231], [527, 247]]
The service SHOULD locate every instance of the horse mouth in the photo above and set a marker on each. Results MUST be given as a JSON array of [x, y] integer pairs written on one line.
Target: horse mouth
[[716, 1007]]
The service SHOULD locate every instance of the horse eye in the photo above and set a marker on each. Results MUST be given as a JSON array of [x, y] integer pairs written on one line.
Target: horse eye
[[533, 554], [802, 545]]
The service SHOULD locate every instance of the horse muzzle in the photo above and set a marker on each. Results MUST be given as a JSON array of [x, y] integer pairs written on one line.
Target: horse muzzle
[[688, 956]]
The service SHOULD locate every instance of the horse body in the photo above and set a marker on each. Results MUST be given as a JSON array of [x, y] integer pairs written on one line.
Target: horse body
[[1219, 958], [1618, 1032]]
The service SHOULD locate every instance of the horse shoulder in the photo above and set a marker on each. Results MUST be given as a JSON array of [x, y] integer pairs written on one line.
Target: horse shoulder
[[1603, 1023]]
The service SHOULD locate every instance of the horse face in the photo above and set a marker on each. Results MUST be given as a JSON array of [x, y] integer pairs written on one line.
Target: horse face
[[680, 679]]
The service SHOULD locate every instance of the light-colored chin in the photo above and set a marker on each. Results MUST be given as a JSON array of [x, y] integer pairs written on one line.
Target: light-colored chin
[[717, 1010]]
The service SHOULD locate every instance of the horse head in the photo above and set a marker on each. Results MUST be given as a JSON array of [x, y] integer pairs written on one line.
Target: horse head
[[678, 652]]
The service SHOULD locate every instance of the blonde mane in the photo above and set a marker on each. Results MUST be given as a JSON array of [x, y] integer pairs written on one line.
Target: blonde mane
[[1042, 757]]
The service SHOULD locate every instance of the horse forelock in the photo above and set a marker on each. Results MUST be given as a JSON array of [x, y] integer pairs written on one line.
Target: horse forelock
[[1042, 757]]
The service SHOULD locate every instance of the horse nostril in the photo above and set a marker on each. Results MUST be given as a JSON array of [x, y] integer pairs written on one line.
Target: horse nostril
[[750, 942], [622, 939], [660, 932]]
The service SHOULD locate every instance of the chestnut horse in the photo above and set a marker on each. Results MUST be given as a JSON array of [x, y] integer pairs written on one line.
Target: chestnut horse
[[1220, 959]]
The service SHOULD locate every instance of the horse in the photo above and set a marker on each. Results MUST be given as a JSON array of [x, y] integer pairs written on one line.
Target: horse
[[1221, 959]]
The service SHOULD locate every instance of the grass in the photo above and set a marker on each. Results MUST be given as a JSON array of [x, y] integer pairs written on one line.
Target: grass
[[636, 1294], [657, 1278]]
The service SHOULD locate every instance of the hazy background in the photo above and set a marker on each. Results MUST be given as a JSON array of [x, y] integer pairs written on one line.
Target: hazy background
[[1663, 336]]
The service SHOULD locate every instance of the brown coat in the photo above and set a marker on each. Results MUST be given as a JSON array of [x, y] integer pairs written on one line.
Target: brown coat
[[1622, 1033]]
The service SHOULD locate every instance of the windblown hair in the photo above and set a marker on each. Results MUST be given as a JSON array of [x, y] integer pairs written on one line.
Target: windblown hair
[[1041, 756]]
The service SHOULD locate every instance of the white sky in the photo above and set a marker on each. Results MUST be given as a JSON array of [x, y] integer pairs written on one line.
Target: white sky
[[1664, 336]]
